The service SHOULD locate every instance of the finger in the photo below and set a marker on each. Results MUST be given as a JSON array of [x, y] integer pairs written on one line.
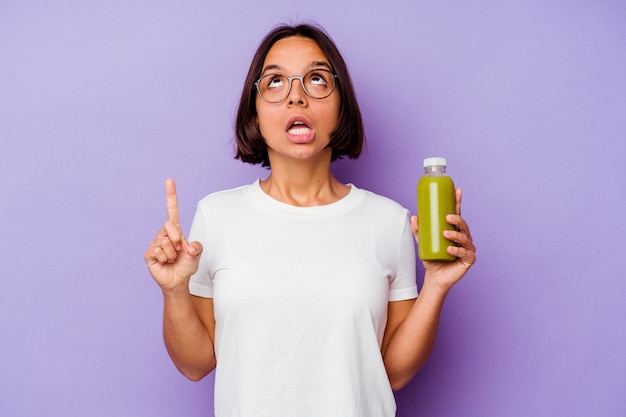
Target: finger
[[171, 201], [169, 229], [160, 255], [466, 256], [155, 255], [414, 224], [458, 193], [461, 239], [173, 232], [194, 249], [161, 250], [167, 247], [459, 223]]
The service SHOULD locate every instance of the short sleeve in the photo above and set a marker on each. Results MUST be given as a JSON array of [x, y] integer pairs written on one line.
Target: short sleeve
[[201, 283]]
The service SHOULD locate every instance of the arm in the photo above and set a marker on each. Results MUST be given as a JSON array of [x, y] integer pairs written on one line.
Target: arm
[[412, 325], [410, 339], [188, 323], [188, 331]]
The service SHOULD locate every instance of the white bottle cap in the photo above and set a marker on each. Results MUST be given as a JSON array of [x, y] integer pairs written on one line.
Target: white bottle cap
[[432, 162]]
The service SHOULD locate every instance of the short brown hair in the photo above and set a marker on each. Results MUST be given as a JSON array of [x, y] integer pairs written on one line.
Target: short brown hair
[[348, 137]]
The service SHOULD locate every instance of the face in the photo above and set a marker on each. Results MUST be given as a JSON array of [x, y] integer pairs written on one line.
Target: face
[[299, 127]]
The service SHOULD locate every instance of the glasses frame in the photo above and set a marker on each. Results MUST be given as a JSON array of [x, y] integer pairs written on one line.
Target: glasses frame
[[290, 83]]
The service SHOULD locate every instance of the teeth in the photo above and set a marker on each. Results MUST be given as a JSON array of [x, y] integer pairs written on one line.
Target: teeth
[[299, 131]]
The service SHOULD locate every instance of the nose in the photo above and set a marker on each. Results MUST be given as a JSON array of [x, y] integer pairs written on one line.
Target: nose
[[296, 93]]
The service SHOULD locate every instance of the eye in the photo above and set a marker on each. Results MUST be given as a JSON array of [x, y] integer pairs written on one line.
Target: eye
[[318, 78], [274, 81]]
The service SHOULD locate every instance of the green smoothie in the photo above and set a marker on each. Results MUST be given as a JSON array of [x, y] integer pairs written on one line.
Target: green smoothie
[[435, 200]]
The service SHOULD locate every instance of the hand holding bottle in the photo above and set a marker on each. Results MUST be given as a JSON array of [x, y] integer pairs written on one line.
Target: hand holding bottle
[[447, 273], [444, 239]]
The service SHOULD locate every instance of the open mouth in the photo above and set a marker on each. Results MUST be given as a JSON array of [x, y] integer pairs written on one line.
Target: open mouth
[[299, 128]]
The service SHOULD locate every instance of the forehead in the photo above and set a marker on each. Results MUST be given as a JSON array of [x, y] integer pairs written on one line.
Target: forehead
[[295, 53]]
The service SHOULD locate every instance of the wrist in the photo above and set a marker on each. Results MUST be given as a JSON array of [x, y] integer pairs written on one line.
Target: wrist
[[176, 293], [433, 287]]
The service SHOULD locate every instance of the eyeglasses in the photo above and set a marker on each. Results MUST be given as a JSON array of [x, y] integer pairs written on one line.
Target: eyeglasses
[[275, 87]]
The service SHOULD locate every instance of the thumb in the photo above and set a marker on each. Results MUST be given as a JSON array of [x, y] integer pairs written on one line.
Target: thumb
[[194, 249], [414, 226], [189, 259]]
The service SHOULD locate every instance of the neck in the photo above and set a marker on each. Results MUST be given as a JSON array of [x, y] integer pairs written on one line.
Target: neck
[[304, 184]]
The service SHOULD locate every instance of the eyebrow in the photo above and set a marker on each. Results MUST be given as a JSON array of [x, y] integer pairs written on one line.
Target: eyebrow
[[312, 65]]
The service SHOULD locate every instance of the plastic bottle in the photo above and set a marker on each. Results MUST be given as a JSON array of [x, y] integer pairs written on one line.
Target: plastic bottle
[[435, 200]]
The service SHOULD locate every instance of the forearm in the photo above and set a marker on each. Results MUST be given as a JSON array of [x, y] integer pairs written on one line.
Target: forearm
[[187, 340], [413, 341]]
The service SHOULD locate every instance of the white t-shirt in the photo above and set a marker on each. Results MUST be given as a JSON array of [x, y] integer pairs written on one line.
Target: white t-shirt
[[300, 298]]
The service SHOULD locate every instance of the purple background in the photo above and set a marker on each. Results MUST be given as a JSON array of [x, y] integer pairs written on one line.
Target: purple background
[[100, 101]]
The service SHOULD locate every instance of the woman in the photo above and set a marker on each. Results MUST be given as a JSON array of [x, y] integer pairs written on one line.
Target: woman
[[300, 290]]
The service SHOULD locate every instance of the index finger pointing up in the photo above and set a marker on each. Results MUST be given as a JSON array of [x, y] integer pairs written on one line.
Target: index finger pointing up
[[171, 201]]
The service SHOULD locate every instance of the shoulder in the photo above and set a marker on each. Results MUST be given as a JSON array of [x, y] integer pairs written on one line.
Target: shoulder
[[225, 198], [220, 210], [381, 204]]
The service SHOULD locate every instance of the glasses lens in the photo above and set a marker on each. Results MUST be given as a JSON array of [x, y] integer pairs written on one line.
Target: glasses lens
[[273, 87], [319, 83]]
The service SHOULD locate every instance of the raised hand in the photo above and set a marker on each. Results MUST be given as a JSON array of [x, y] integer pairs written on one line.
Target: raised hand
[[170, 258], [446, 274]]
